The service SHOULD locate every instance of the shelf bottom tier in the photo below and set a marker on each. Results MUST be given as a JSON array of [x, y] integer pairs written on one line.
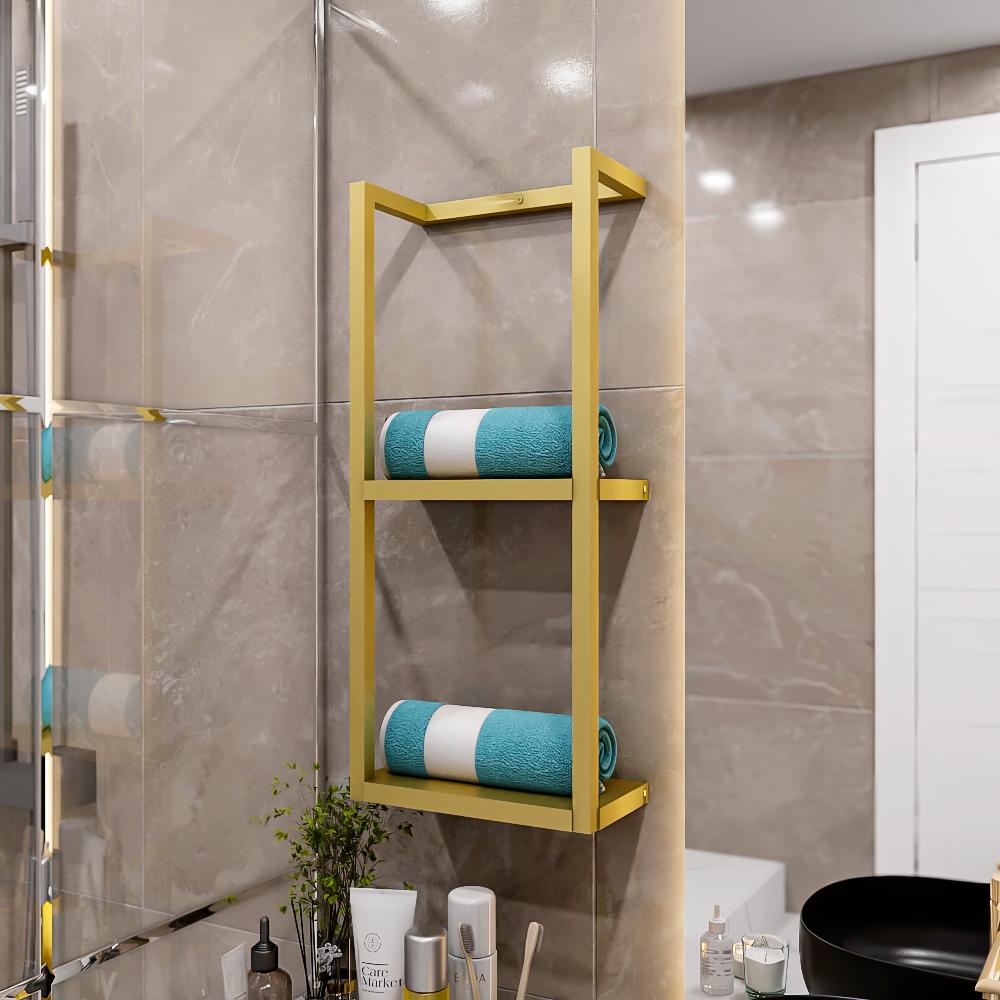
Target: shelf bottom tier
[[455, 798]]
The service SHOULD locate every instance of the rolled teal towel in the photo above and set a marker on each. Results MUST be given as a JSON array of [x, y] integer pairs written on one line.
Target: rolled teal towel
[[524, 751], [507, 442]]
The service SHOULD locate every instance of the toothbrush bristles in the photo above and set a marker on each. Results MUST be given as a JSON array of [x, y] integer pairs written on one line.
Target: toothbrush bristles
[[538, 943], [468, 938]]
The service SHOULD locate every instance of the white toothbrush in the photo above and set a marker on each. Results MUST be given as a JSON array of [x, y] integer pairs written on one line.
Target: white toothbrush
[[469, 946], [532, 946]]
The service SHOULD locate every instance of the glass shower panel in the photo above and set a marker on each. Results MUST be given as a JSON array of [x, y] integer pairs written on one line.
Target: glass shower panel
[[185, 659], [159, 591], [17, 702]]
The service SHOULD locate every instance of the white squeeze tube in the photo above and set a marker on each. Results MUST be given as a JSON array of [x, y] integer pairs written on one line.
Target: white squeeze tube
[[381, 918]]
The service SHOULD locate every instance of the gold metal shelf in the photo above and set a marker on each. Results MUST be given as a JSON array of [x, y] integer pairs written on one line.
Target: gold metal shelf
[[456, 798], [499, 489], [596, 179]]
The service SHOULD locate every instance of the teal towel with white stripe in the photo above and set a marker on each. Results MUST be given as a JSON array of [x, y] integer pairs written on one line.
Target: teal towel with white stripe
[[507, 442], [524, 751]]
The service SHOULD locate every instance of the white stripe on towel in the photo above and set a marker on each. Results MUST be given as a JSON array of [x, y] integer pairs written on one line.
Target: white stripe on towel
[[381, 448], [380, 749], [450, 743], [450, 444]]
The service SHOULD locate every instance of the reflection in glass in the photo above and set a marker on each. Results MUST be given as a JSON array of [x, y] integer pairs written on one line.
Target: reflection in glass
[[184, 664]]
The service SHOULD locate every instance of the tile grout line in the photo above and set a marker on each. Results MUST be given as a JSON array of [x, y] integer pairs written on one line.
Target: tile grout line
[[764, 703], [415, 399], [721, 458], [740, 213]]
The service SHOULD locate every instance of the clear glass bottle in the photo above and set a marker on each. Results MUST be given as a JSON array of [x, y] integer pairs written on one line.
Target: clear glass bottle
[[265, 980], [717, 957]]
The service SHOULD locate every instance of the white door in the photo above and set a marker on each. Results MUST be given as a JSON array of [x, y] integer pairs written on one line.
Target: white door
[[938, 688]]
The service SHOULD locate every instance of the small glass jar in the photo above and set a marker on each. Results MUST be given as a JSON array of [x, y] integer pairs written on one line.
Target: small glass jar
[[765, 966]]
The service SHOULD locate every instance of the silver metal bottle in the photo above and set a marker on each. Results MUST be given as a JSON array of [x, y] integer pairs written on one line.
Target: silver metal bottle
[[477, 907]]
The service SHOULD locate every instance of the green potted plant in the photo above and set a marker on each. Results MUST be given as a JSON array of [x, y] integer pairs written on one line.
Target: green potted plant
[[333, 844]]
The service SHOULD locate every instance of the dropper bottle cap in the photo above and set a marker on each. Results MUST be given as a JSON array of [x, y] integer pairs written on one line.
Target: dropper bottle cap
[[718, 923], [264, 954]]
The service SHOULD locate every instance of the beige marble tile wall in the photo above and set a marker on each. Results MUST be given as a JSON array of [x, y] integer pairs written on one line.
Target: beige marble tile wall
[[780, 564], [450, 98]]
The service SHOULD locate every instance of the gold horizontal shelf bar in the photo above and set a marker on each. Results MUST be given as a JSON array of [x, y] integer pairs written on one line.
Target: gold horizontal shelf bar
[[617, 183], [395, 204], [635, 490], [499, 489], [498, 805], [492, 205], [621, 799], [611, 174], [454, 798], [520, 202]]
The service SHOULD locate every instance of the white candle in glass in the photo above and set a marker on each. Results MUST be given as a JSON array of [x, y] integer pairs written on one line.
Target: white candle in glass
[[765, 961]]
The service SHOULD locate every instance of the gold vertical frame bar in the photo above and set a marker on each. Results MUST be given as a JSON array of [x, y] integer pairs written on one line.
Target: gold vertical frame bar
[[362, 468], [586, 485], [47, 794]]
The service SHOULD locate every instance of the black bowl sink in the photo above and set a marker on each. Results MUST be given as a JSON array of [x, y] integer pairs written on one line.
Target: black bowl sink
[[887, 936]]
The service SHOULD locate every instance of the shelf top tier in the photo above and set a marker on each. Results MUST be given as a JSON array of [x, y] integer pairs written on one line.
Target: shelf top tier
[[618, 183]]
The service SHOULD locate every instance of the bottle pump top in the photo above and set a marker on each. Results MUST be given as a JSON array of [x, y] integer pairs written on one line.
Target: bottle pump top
[[264, 954], [718, 924]]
